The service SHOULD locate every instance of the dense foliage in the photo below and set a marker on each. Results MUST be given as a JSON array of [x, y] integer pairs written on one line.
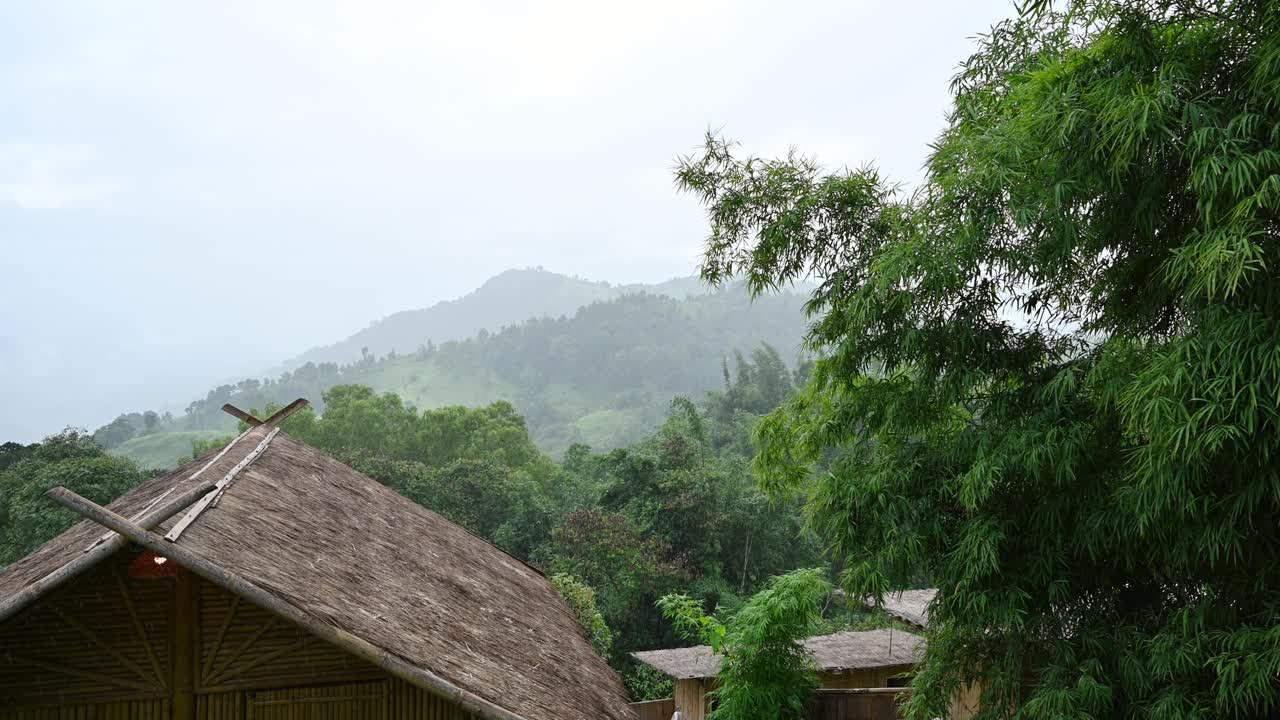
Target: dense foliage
[[765, 671], [582, 601], [70, 459], [1051, 375], [679, 511], [128, 426]]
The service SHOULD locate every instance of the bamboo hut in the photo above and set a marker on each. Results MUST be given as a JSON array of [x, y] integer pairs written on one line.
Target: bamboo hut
[[908, 606], [845, 660], [912, 608], [294, 588]]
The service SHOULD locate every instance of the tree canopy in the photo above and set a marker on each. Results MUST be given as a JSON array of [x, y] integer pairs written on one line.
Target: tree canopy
[[1049, 377], [677, 511], [70, 459]]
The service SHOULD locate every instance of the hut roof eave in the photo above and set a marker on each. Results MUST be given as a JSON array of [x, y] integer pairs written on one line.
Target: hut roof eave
[[838, 652]]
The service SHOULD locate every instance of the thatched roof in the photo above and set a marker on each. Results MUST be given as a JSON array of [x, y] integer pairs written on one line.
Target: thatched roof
[[353, 554], [910, 606], [838, 652]]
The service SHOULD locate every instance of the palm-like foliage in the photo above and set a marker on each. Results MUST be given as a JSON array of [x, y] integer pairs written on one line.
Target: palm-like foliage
[[1052, 373], [766, 673]]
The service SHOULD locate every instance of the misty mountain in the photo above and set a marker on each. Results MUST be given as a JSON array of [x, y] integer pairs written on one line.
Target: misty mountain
[[603, 375], [505, 299]]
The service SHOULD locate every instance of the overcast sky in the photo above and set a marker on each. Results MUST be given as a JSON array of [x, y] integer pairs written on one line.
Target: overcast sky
[[195, 191]]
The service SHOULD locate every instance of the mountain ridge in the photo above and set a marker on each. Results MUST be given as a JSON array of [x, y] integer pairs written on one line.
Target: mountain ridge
[[601, 374], [510, 297]]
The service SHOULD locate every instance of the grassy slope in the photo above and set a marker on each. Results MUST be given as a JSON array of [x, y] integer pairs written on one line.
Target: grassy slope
[[163, 450], [428, 386], [603, 377]]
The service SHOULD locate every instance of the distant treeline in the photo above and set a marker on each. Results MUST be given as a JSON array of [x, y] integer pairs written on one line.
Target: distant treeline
[[603, 376]]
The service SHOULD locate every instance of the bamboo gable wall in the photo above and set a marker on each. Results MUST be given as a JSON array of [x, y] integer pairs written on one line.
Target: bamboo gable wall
[[111, 647], [870, 678]]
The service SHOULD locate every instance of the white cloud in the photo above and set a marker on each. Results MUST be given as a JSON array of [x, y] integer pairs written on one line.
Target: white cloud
[[358, 157]]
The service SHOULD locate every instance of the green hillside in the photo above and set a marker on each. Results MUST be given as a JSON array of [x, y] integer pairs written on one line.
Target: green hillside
[[506, 299], [603, 377]]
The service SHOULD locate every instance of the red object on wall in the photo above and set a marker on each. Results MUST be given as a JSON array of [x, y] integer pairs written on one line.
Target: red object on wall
[[150, 566]]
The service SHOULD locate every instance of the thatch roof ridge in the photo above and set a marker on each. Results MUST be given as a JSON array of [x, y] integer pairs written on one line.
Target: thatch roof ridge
[[837, 652], [356, 555]]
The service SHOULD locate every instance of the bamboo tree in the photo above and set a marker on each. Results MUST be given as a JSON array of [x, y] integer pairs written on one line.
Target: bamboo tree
[[1050, 375]]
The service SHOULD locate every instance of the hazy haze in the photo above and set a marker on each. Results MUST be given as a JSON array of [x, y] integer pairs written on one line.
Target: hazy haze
[[193, 192]]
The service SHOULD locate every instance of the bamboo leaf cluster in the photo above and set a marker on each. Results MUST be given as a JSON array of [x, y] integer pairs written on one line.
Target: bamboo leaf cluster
[[765, 671]]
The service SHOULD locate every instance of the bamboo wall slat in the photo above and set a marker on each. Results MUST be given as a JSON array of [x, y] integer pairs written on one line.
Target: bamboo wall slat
[[364, 701], [243, 646], [120, 710], [406, 702], [103, 637], [220, 706], [655, 709], [689, 697]]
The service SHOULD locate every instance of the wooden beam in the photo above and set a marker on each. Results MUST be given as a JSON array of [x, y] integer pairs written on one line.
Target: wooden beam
[[107, 535], [56, 667], [297, 645], [211, 653], [102, 645], [138, 627], [278, 416], [241, 415], [361, 648], [248, 642], [29, 594], [186, 622]]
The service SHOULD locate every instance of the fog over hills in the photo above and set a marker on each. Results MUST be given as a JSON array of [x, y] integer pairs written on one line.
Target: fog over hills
[[191, 195], [510, 297], [582, 361]]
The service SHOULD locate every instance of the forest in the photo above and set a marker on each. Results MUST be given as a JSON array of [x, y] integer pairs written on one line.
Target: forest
[[678, 511], [602, 375]]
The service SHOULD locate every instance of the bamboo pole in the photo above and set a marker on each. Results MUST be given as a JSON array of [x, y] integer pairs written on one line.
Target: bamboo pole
[[419, 677], [185, 629], [29, 594]]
